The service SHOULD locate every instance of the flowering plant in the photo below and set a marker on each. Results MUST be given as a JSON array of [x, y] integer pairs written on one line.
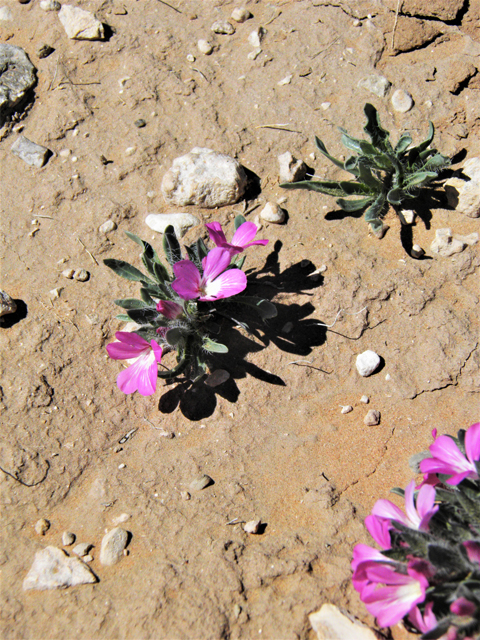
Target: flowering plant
[[428, 571], [180, 311]]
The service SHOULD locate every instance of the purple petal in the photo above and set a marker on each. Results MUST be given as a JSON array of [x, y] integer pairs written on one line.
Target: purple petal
[[129, 346], [157, 350], [425, 622], [186, 289], [128, 337], [390, 604], [386, 509], [215, 263], [445, 449], [245, 233], [187, 270], [472, 442], [216, 234], [227, 284], [473, 550]]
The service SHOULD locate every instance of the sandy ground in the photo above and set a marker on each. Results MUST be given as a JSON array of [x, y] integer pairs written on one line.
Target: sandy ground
[[273, 437]]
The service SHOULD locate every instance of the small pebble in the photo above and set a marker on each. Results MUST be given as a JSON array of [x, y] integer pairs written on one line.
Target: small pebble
[[241, 14], [356, 23], [44, 51], [123, 517], [285, 80], [367, 362], [55, 293], [7, 304], [417, 251], [113, 545], [50, 5], [82, 548], [365, 399], [42, 526], [201, 483], [255, 38], [372, 418], [107, 227], [287, 328], [408, 215], [388, 377], [129, 151], [185, 495], [122, 465], [253, 55], [252, 527], [223, 27], [326, 105], [87, 558], [205, 47], [402, 101], [347, 408], [68, 538], [190, 58], [81, 275], [273, 213], [140, 123], [68, 273]]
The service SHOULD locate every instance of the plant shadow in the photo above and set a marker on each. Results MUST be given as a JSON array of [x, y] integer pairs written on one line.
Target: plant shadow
[[291, 331]]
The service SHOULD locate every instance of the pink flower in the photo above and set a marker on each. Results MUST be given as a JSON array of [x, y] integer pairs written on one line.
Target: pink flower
[[379, 529], [168, 309], [417, 516], [363, 556], [215, 283], [424, 622], [141, 375], [463, 607], [449, 460], [242, 238], [401, 593]]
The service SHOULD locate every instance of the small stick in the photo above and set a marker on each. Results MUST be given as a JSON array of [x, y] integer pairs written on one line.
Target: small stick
[[169, 5], [77, 84], [91, 256], [280, 127], [308, 363], [276, 14], [326, 48], [48, 217], [202, 74], [234, 521], [395, 23]]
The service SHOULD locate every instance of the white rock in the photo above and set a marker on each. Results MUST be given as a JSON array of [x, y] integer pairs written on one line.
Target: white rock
[[417, 251], [52, 569], [273, 213], [80, 24], [365, 399], [329, 623], [81, 275], [445, 244], [42, 526], [253, 55], [123, 517], [181, 222], [285, 80], [326, 105], [408, 215], [255, 38], [204, 177], [50, 5], [378, 85], [68, 273], [223, 27], [240, 14], [464, 195], [471, 168], [252, 527], [68, 538], [372, 418], [107, 226], [402, 101], [347, 408], [7, 305], [6, 14], [113, 544], [291, 169], [30, 152], [367, 362], [82, 548], [205, 47]]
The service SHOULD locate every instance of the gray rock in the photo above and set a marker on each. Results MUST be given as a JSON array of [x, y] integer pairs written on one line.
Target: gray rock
[[113, 544], [201, 482], [30, 152], [7, 305], [68, 273], [223, 27], [82, 548], [140, 123], [372, 418], [80, 24], [417, 251], [291, 169], [53, 569], [272, 212], [181, 222], [402, 101], [367, 362], [17, 77], [329, 623], [471, 168], [107, 227], [365, 399], [378, 85], [204, 177], [42, 526], [68, 538]]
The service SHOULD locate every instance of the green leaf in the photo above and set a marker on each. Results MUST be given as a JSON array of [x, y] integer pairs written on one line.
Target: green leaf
[[415, 152], [173, 373], [123, 317], [378, 135], [175, 336], [396, 196], [143, 316], [239, 220], [351, 165], [323, 149], [239, 261], [131, 303], [421, 178], [328, 188], [201, 249], [365, 176], [146, 297], [353, 205], [354, 144], [374, 211], [171, 246], [125, 270], [214, 347], [161, 273], [403, 142], [436, 162]]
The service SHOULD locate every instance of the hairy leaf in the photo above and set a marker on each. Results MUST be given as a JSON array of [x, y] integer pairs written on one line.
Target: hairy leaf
[[378, 135], [175, 336], [125, 270], [403, 143], [239, 220], [143, 316], [171, 246], [131, 303], [353, 205], [214, 347], [323, 149]]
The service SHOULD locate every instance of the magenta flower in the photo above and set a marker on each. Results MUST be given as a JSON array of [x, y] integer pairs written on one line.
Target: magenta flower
[[473, 550], [401, 593], [363, 557], [379, 529], [449, 460], [215, 283], [424, 622], [463, 607], [141, 375], [168, 309], [417, 516], [242, 238]]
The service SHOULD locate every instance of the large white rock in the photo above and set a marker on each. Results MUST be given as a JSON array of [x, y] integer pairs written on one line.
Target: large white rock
[[80, 24], [329, 623], [464, 195], [54, 569], [367, 362], [205, 178], [181, 222], [291, 169], [447, 244]]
